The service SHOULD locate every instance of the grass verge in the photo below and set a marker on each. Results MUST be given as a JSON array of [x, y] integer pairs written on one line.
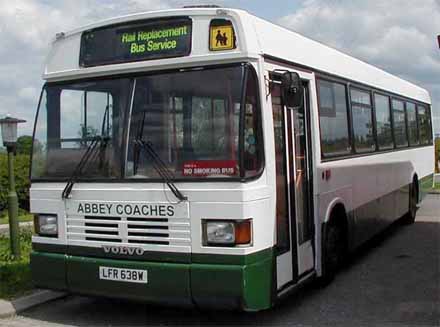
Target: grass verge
[[15, 274], [23, 216]]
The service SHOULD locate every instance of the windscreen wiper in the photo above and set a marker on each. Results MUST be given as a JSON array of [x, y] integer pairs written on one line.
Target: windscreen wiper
[[160, 167], [91, 152]]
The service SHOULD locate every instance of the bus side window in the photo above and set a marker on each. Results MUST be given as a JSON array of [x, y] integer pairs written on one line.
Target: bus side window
[[383, 122], [400, 132], [333, 118], [412, 124], [424, 125], [362, 114]]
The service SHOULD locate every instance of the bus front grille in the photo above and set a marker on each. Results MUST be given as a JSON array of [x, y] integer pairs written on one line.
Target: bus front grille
[[150, 232]]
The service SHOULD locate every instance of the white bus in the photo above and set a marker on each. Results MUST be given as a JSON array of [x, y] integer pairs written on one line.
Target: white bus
[[206, 157]]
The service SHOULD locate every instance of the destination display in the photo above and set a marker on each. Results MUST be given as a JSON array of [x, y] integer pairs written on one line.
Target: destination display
[[145, 40]]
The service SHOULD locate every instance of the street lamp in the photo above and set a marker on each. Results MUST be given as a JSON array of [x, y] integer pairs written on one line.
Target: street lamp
[[8, 128]]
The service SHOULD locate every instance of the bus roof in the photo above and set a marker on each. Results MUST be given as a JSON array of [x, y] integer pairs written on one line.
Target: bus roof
[[256, 37]]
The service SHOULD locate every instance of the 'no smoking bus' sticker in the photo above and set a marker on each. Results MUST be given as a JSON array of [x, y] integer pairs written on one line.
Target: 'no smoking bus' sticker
[[201, 168]]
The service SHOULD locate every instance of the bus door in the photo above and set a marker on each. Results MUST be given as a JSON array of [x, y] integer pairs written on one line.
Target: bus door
[[294, 217]]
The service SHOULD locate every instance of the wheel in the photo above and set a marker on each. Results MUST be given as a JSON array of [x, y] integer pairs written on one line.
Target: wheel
[[410, 217], [333, 251]]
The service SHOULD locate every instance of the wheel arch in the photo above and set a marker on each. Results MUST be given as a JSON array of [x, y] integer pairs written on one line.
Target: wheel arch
[[335, 204], [337, 208]]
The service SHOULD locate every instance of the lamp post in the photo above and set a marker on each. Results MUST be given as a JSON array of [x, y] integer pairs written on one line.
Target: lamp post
[[8, 128]]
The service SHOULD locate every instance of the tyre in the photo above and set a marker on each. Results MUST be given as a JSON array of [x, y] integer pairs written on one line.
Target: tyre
[[410, 217], [333, 251]]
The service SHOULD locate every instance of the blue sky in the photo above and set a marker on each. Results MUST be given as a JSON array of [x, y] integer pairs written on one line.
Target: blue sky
[[271, 10], [398, 36]]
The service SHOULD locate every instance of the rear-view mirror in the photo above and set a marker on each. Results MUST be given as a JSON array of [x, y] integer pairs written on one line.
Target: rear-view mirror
[[293, 92]]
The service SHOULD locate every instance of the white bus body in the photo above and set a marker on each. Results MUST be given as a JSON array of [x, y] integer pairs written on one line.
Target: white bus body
[[138, 228]]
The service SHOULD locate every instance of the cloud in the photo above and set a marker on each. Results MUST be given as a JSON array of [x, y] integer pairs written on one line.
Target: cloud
[[26, 29], [398, 36]]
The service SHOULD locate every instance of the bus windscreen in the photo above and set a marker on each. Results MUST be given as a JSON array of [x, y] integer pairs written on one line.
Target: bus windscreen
[[146, 40]]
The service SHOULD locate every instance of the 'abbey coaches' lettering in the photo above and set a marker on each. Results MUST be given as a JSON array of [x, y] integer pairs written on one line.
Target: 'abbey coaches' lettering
[[129, 209]]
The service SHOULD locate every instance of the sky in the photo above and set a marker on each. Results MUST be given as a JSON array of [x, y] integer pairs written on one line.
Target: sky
[[399, 36]]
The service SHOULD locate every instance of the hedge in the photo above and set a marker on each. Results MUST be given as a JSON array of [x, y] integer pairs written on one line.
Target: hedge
[[15, 274], [437, 155]]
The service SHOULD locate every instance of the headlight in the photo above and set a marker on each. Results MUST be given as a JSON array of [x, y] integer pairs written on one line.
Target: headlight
[[227, 233], [46, 225], [220, 233]]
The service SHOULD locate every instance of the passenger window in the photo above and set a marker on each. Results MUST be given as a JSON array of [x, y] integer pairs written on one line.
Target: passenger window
[[383, 122], [333, 119], [412, 123], [362, 121], [400, 134], [424, 125]]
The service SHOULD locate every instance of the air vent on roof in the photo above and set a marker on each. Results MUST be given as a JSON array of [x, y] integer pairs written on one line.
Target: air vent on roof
[[202, 6]]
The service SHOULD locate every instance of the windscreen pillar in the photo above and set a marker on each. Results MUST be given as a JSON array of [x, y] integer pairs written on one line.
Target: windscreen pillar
[[53, 118]]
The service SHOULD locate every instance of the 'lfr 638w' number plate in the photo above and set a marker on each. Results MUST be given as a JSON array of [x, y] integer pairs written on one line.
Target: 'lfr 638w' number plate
[[123, 275]]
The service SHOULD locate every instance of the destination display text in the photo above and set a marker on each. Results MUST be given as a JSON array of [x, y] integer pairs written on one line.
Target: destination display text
[[139, 41]]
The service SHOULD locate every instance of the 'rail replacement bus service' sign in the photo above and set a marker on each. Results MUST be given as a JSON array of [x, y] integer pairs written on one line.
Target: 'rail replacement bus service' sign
[[137, 41]]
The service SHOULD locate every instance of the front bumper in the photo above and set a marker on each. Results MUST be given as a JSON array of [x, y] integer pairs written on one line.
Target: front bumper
[[245, 286]]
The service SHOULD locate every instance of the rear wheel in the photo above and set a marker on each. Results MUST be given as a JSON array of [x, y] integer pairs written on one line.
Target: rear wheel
[[410, 217]]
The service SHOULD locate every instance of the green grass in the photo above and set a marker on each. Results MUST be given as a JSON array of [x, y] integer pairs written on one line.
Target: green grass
[[15, 274], [23, 216]]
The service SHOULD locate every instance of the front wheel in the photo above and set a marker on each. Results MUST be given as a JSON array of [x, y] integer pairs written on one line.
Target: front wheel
[[332, 253]]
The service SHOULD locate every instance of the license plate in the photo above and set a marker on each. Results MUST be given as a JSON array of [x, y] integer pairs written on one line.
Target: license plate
[[123, 275]]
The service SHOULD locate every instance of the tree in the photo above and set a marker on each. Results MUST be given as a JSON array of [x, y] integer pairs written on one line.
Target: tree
[[24, 144]]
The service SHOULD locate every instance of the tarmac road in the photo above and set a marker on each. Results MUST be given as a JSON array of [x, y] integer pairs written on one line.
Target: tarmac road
[[394, 281]]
